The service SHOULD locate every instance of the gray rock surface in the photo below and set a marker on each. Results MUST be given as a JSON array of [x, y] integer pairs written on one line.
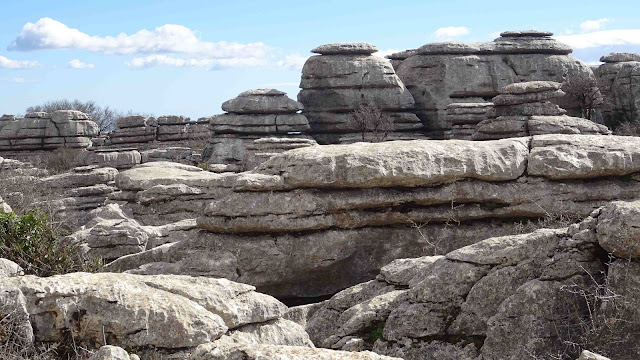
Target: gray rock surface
[[110, 352], [501, 298], [620, 85], [44, 131], [344, 77], [442, 73], [617, 57], [312, 221], [275, 352], [9, 268], [165, 312]]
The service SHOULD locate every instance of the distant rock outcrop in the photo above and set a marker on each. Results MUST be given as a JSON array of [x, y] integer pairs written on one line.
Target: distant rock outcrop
[[344, 77], [620, 79], [439, 74], [526, 108], [464, 117], [252, 115], [46, 131]]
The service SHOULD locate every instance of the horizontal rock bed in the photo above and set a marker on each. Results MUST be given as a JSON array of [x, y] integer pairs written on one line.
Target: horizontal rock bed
[[311, 221]]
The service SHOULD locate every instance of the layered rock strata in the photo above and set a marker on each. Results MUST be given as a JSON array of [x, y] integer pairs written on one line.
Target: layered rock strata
[[343, 78], [312, 221], [264, 149], [252, 115], [46, 131], [502, 298], [143, 133], [526, 108], [439, 74], [464, 117], [83, 189], [620, 79], [133, 130]]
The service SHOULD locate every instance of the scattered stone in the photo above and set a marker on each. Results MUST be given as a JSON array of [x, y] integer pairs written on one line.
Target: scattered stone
[[110, 352], [9, 268]]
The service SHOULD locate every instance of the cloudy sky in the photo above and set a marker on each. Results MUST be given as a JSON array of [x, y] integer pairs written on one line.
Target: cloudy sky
[[186, 57]]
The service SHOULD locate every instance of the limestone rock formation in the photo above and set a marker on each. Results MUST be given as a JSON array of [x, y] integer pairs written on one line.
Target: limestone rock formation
[[312, 221], [84, 188], [4, 207], [464, 117], [501, 298], [264, 149], [344, 77], [44, 131], [438, 74], [121, 159], [525, 108], [253, 114], [170, 313], [620, 79], [133, 129]]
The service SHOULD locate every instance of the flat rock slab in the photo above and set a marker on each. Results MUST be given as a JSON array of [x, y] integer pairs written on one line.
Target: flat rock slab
[[275, 352], [616, 57], [399, 163], [584, 156]]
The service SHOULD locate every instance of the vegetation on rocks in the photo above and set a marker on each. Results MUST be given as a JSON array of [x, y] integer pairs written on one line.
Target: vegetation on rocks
[[29, 241]]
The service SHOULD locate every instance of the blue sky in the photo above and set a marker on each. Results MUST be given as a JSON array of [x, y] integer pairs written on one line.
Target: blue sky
[[187, 57]]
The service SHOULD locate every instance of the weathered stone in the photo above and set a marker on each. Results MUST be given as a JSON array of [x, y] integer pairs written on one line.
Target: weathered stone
[[586, 156], [540, 125], [110, 352], [262, 101], [358, 48], [617, 231], [617, 57], [530, 87], [277, 352], [9, 268], [514, 99]]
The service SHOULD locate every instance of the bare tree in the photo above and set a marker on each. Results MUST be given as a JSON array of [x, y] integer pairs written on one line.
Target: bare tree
[[105, 117], [585, 90], [372, 124]]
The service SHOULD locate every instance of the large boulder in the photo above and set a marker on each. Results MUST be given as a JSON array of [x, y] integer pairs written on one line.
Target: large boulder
[[620, 84], [169, 313]]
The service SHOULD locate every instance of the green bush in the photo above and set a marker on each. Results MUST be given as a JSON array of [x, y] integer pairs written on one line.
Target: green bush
[[30, 241]]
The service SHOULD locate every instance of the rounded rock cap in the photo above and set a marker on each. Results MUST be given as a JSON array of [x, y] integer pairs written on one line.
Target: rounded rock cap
[[263, 92], [616, 57], [526, 33], [357, 48]]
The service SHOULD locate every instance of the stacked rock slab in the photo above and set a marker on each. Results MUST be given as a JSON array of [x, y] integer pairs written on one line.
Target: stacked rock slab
[[439, 74], [133, 129], [620, 76], [464, 117], [343, 78], [526, 108], [252, 115], [264, 149], [312, 221], [46, 131]]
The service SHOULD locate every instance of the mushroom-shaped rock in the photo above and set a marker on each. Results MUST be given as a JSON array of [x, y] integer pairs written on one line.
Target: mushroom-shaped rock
[[357, 48]]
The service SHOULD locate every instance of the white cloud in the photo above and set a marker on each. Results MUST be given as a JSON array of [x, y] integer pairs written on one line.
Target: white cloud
[[450, 32], [592, 25], [48, 33], [208, 63], [77, 64], [17, 80], [292, 62], [384, 53], [602, 38], [16, 64]]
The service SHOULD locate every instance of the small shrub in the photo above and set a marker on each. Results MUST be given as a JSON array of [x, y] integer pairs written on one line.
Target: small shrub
[[627, 128], [375, 332], [29, 241], [372, 124], [62, 160]]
